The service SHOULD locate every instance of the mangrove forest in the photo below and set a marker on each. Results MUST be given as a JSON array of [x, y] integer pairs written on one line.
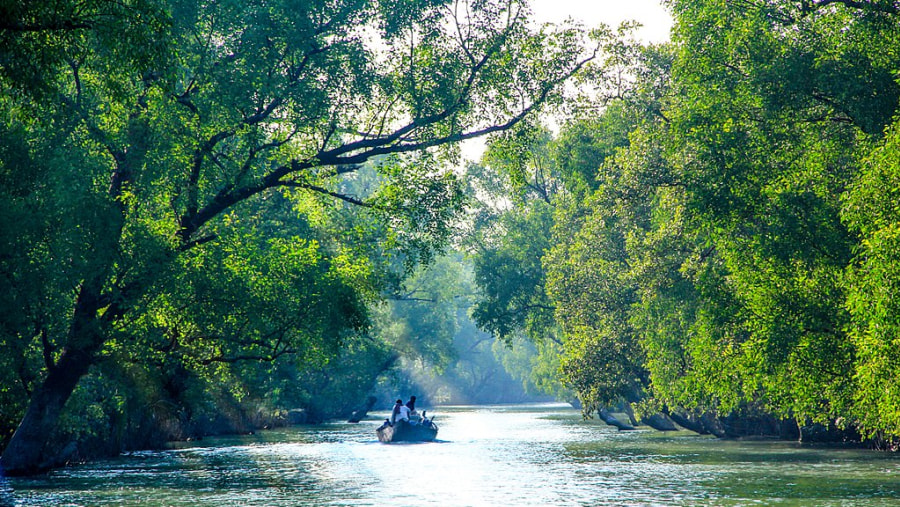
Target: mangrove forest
[[222, 216]]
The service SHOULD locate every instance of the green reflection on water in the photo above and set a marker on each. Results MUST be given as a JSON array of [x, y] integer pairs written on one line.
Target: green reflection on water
[[757, 472]]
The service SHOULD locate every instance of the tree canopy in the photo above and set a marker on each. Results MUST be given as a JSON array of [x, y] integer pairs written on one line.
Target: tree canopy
[[168, 168], [205, 204], [722, 244]]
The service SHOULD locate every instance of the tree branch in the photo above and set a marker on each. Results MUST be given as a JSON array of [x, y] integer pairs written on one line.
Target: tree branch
[[46, 349], [872, 6], [351, 154], [247, 357], [47, 26], [309, 186]]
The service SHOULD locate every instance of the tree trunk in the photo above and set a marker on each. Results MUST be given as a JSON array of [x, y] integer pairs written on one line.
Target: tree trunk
[[609, 419], [361, 412], [26, 453], [630, 413], [659, 422], [688, 423]]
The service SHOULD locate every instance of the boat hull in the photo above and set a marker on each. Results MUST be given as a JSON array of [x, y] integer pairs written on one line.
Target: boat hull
[[403, 431]]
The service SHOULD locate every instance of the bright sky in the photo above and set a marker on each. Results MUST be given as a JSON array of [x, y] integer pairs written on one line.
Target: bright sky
[[655, 19], [651, 14]]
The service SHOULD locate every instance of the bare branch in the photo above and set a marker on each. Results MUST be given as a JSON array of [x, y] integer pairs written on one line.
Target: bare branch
[[350, 155], [55, 25], [247, 357], [46, 349], [314, 188]]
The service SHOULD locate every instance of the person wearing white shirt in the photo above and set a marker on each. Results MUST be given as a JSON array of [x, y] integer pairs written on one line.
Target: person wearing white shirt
[[404, 413], [399, 412]]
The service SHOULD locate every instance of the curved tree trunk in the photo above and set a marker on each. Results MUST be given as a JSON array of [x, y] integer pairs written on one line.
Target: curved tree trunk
[[659, 422], [630, 413], [26, 452], [361, 412], [611, 420], [688, 423]]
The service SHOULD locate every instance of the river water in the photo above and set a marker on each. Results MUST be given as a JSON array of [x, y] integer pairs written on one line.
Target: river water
[[533, 455]]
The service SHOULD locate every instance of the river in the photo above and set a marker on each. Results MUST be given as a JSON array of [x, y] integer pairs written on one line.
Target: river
[[534, 455]]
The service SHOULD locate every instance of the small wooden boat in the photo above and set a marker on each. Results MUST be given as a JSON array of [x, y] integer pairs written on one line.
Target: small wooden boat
[[403, 431]]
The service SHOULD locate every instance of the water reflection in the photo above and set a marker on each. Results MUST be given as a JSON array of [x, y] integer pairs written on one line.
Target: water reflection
[[6, 493], [534, 455]]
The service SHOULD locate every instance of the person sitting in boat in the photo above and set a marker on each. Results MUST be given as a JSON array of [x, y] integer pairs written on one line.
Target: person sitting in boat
[[404, 412], [395, 412], [399, 412], [413, 415]]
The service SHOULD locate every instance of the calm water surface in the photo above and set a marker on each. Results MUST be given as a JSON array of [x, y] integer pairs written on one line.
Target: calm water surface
[[503, 455]]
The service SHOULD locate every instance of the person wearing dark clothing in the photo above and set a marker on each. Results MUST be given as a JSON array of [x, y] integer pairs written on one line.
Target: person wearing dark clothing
[[395, 413], [411, 404]]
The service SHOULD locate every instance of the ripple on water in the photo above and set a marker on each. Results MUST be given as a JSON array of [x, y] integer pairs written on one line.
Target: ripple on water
[[542, 455]]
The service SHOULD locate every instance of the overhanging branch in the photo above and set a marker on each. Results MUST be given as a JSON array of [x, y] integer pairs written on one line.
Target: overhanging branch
[[349, 156], [55, 25], [314, 188]]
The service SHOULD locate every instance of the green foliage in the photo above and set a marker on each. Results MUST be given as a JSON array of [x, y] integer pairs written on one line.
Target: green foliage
[[173, 176], [536, 364], [418, 203], [511, 277], [583, 145], [873, 279], [531, 261], [443, 356], [716, 263], [588, 281], [420, 321], [764, 153], [38, 38]]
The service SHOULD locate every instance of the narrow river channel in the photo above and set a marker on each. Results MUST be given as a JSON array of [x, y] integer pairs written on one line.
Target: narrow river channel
[[501, 455]]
